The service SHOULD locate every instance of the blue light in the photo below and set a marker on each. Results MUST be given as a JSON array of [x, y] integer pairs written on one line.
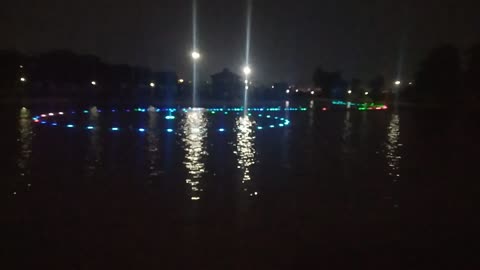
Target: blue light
[[115, 129], [221, 129], [90, 127], [141, 129], [70, 126], [169, 130]]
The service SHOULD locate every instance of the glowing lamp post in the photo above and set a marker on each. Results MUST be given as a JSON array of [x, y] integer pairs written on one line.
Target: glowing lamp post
[[195, 55]]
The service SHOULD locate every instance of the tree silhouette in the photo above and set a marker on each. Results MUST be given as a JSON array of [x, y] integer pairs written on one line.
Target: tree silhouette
[[438, 79], [376, 85]]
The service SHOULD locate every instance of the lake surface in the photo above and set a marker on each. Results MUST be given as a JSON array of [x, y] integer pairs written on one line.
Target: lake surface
[[378, 189]]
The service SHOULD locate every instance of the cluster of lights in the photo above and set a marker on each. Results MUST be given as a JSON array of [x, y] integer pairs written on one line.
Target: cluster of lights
[[281, 122], [361, 106]]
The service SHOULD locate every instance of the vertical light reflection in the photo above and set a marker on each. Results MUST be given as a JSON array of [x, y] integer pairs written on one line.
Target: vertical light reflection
[[392, 151], [95, 148], [194, 133], [25, 140], [245, 151], [392, 148], [152, 142]]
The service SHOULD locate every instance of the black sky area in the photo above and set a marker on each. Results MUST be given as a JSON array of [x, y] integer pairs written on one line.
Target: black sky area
[[289, 38]]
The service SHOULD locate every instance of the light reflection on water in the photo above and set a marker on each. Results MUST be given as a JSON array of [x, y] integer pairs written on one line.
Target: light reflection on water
[[95, 148], [153, 142], [194, 134], [392, 150], [25, 140], [245, 151]]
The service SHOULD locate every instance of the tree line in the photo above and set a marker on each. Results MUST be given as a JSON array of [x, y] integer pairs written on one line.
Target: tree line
[[447, 74]]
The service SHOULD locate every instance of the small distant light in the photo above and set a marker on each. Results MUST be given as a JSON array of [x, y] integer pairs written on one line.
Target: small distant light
[[152, 84], [70, 126], [115, 129], [93, 82], [169, 130], [180, 81], [312, 92], [90, 127], [141, 129], [23, 79], [221, 129], [349, 92]]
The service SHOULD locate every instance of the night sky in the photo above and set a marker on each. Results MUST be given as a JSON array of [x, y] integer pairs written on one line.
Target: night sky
[[289, 38]]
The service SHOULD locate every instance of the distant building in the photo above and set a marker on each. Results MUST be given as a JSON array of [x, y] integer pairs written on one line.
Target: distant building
[[226, 84]]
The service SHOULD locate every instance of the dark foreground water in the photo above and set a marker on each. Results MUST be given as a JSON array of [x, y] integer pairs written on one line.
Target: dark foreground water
[[335, 189]]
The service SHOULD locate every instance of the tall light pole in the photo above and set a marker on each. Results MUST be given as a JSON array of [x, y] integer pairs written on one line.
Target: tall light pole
[[195, 56]]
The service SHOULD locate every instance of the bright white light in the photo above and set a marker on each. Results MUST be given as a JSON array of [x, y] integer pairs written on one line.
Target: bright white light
[[366, 93], [247, 70], [349, 92], [152, 84], [22, 79], [398, 82], [312, 92], [195, 55], [287, 91], [94, 83], [180, 81]]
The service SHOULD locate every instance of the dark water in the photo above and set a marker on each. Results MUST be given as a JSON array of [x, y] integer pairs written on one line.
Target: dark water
[[337, 189]]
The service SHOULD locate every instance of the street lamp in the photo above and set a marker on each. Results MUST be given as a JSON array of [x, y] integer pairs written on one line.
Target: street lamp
[[195, 55], [247, 70]]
